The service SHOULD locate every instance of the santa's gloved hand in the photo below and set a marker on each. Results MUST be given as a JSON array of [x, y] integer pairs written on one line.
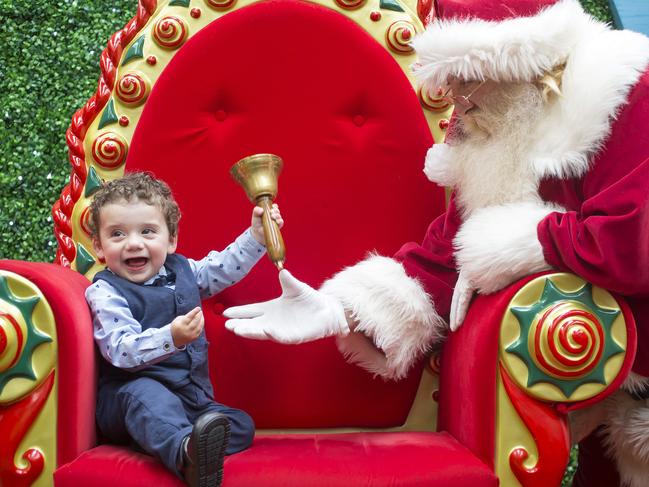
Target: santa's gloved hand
[[300, 314], [462, 294]]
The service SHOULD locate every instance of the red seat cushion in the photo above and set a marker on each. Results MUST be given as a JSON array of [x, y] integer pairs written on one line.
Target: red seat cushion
[[314, 460]]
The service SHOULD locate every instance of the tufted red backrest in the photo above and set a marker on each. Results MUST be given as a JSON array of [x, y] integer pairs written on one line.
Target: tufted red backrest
[[306, 83]]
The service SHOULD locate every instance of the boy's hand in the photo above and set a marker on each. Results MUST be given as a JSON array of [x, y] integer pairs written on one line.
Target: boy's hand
[[256, 226], [187, 328]]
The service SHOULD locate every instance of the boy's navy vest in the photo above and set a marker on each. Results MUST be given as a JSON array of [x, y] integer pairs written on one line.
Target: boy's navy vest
[[155, 307]]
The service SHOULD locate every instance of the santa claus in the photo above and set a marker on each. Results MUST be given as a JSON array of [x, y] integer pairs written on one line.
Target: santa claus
[[548, 157]]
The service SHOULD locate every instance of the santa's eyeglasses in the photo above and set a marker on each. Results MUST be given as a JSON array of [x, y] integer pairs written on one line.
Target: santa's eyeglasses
[[462, 100]]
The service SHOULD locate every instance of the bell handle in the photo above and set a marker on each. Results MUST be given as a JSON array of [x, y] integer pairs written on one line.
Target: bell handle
[[274, 240]]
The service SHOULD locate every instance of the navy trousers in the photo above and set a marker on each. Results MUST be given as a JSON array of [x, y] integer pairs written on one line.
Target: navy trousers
[[158, 419]]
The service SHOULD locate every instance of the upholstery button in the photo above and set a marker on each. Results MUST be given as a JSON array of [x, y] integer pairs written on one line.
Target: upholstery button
[[220, 115], [358, 120]]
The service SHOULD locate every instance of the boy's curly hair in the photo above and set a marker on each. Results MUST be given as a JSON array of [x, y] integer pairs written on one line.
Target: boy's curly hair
[[136, 185]]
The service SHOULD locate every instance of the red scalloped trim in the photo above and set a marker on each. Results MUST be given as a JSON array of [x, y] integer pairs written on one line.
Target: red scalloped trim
[[550, 432], [15, 421], [81, 120]]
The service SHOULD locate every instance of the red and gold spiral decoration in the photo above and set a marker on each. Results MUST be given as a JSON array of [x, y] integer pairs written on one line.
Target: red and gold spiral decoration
[[399, 35], [12, 341], [27, 360], [433, 101], [170, 32], [109, 150], [563, 339], [221, 4], [133, 88], [568, 341], [350, 4], [85, 220]]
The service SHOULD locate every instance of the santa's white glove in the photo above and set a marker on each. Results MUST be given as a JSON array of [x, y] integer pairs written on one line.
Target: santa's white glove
[[462, 295], [300, 314]]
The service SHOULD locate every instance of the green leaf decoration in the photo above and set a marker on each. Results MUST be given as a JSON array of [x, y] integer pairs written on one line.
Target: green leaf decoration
[[93, 183], [109, 115], [391, 5], [553, 296], [84, 260], [23, 367], [136, 51], [179, 3]]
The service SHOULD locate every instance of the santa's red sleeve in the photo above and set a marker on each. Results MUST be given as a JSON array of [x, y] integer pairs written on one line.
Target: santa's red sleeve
[[604, 238], [399, 303], [431, 262]]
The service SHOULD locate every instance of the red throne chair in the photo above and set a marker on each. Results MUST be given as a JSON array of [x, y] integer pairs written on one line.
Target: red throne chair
[[189, 87]]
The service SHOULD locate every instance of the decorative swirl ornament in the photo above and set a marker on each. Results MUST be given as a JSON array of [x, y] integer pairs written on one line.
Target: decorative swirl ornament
[[565, 339], [84, 220], [399, 35], [433, 102], [170, 32], [350, 4], [109, 150], [221, 4], [133, 89], [19, 337]]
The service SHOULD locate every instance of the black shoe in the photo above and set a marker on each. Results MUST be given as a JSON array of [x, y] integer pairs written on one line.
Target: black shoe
[[205, 451]]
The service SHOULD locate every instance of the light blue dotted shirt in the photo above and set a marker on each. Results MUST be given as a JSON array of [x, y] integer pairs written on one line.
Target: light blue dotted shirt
[[119, 335]]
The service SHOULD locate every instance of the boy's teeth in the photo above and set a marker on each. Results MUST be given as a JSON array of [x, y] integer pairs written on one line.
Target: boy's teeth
[[136, 261]]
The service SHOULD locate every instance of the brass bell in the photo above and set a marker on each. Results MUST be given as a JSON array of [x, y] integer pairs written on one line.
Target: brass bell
[[257, 175]]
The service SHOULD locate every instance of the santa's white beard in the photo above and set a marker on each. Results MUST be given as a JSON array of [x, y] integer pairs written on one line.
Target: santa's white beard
[[489, 147]]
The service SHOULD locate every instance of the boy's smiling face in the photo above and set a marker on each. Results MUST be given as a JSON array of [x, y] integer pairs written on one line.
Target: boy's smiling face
[[133, 239]]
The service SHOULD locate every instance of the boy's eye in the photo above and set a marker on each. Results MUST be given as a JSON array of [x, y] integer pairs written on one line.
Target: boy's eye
[[147, 231], [117, 233]]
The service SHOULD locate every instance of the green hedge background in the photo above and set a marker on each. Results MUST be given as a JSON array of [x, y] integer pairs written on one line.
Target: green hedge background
[[49, 67]]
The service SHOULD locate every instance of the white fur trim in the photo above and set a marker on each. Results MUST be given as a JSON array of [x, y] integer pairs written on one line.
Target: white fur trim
[[516, 49], [392, 309], [439, 167], [627, 438], [497, 245], [601, 71], [635, 383], [601, 67]]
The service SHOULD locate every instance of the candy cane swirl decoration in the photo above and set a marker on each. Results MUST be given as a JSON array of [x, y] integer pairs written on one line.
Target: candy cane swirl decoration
[[565, 339], [133, 89], [399, 35], [170, 32], [220, 4], [109, 150], [568, 341], [12, 341], [350, 4], [433, 102]]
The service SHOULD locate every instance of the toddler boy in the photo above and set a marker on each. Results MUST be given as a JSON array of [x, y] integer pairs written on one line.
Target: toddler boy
[[154, 387]]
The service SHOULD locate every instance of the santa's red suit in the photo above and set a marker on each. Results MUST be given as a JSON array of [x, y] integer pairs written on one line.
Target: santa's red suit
[[590, 157]]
